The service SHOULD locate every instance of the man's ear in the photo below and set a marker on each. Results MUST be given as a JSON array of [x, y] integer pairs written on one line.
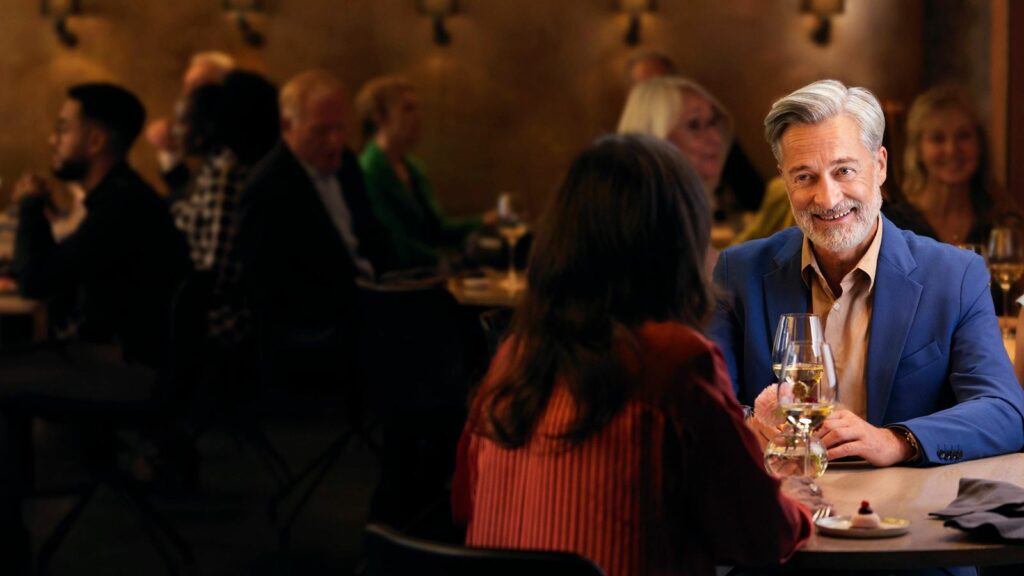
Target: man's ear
[[96, 140], [882, 157]]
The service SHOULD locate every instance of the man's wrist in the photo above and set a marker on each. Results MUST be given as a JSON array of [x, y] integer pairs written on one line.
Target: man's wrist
[[909, 441]]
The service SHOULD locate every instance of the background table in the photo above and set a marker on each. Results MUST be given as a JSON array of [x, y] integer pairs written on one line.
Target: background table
[[909, 493], [14, 305], [491, 295]]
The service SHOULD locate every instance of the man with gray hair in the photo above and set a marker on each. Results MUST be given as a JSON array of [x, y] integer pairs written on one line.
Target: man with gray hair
[[306, 233], [923, 375]]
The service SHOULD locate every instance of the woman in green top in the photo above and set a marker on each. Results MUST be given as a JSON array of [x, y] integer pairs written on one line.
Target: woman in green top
[[399, 191]]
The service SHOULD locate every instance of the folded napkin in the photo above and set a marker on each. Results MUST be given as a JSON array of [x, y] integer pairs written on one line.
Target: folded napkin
[[987, 507]]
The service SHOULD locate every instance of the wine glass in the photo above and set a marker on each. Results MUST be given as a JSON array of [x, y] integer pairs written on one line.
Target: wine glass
[[790, 453], [976, 248], [807, 394], [1005, 261], [794, 327], [512, 225]]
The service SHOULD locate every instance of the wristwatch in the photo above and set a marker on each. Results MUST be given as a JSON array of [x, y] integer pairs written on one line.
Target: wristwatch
[[907, 436]]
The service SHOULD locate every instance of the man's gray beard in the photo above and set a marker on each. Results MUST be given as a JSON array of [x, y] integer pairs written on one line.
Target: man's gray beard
[[847, 237]]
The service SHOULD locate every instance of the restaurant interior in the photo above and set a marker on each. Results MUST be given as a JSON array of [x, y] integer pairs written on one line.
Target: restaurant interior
[[509, 93]]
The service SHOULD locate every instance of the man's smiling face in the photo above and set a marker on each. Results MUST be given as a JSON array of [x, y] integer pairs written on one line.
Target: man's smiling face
[[834, 183]]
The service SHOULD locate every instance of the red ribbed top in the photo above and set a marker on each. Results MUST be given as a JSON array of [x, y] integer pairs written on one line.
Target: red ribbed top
[[673, 485]]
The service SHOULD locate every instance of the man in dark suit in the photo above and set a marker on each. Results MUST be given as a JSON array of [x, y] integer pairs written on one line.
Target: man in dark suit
[[306, 235], [122, 265]]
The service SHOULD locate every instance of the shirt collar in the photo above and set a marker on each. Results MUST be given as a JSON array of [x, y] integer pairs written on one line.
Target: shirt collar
[[318, 178], [107, 185], [868, 263]]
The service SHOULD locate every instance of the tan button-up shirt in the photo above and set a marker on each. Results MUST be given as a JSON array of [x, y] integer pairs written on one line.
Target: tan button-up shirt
[[846, 319]]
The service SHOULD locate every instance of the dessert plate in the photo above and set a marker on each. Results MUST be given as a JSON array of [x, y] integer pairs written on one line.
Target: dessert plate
[[839, 526]]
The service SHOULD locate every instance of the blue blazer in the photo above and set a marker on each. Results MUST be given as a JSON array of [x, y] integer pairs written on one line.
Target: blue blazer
[[936, 362]]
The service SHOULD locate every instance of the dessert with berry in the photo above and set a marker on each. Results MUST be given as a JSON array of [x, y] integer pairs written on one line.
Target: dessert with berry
[[865, 517]]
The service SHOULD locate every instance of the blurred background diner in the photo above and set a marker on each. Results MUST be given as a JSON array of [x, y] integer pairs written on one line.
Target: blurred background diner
[[357, 182], [948, 190]]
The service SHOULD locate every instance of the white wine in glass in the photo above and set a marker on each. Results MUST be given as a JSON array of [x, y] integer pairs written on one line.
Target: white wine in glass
[[512, 225], [793, 327], [790, 453], [806, 395], [802, 396], [1005, 261]]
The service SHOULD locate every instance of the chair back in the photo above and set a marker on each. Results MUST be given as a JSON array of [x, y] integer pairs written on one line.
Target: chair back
[[187, 338], [413, 346], [389, 553]]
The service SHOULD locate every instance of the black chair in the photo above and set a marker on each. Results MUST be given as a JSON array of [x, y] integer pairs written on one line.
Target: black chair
[[415, 349], [495, 324], [390, 553], [411, 355], [160, 415]]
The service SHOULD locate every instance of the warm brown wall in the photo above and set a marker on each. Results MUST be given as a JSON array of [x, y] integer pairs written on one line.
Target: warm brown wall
[[1015, 123], [523, 86]]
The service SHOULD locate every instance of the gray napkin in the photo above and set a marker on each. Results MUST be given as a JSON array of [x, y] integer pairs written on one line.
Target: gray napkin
[[987, 507]]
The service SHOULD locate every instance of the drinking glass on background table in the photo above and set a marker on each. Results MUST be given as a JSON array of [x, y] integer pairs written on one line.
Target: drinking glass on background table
[[512, 225], [791, 328], [1005, 261], [976, 248]]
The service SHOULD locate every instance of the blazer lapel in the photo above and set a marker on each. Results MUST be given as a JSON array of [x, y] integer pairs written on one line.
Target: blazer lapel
[[784, 288], [893, 310], [308, 194]]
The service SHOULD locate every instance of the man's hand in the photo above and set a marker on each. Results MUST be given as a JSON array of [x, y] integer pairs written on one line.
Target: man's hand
[[29, 184], [160, 135], [763, 431], [846, 434]]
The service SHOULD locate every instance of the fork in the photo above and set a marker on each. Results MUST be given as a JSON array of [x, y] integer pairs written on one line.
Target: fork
[[823, 512]]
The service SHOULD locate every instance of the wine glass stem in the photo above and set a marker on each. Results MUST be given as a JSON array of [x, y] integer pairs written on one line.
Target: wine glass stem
[[1005, 286], [805, 431]]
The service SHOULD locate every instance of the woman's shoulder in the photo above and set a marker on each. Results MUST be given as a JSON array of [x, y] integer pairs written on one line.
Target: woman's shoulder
[[372, 159], [678, 340], [678, 361]]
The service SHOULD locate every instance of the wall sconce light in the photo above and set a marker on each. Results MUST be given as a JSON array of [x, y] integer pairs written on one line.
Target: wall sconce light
[[438, 10], [635, 8], [241, 9], [823, 11], [60, 10]]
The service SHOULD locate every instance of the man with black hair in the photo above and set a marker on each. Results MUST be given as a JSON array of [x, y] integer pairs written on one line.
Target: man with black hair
[[121, 265]]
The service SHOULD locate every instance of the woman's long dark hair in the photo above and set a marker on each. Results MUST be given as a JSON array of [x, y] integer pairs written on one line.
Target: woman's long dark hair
[[622, 242]]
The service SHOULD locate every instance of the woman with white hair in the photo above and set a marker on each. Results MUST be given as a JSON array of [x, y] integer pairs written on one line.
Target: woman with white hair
[[684, 113], [691, 119]]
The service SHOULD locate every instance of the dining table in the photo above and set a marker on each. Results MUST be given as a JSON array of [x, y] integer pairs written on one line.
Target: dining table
[[483, 292], [12, 304], [910, 494]]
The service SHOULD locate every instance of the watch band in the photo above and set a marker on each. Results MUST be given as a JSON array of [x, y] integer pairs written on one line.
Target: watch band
[[911, 440]]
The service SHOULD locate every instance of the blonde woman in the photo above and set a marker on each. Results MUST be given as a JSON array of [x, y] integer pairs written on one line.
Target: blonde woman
[[400, 192], [949, 193], [684, 113]]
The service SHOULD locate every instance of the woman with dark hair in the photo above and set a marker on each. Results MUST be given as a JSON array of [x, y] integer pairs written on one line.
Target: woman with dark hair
[[606, 425], [230, 126]]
